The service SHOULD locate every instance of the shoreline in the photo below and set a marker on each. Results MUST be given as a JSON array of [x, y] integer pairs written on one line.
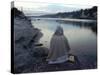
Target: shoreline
[[65, 19]]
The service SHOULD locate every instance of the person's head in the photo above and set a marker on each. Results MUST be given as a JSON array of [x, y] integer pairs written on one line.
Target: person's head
[[59, 31]]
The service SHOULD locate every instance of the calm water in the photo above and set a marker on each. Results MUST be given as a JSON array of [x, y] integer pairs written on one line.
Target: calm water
[[81, 38]]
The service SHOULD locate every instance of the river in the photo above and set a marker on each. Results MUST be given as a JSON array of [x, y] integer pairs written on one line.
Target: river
[[82, 39]]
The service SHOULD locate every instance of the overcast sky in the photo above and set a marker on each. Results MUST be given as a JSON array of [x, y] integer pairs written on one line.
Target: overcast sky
[[35, 9]]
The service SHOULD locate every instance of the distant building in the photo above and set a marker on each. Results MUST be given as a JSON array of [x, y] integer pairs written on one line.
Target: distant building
[[83, 15]]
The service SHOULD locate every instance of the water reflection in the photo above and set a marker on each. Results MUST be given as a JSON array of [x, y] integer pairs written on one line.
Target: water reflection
[[90, 25]]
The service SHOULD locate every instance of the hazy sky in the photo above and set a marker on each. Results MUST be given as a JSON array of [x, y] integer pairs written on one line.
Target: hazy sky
[[35, 9]]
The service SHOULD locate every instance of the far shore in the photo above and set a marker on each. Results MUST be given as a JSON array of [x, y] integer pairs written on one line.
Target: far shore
[[64, 19]]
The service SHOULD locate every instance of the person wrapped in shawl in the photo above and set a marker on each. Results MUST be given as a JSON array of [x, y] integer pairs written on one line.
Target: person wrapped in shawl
[[59, 47]]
